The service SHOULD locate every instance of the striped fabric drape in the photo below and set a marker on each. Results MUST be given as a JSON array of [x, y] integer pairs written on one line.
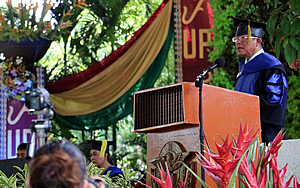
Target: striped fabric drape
[[103, 94]]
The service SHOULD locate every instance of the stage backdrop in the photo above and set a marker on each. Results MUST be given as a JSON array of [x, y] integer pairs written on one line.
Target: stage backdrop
[[192, 23]]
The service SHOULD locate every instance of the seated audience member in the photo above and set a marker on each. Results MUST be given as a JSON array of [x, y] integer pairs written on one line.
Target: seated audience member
[[60, 165], [22, 150], [100, 157]]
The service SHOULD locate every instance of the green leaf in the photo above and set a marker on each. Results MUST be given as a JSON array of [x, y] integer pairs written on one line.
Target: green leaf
[[295, 43], [296, 5], [198, 178], [285, 25], [235, 172], [285, 42], [295, 30], [289, 53], [278, 43], [271, 25], [293, 4]]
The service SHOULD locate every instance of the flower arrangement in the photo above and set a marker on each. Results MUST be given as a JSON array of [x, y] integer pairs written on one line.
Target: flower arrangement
[[24, 21], [15, 79]]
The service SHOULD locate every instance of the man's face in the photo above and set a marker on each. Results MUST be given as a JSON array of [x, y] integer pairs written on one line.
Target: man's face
[[96, 159], [21, 153], [247, 49]]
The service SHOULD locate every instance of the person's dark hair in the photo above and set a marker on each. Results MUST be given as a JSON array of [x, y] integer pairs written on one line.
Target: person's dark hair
[[23, 146], [57, 165]]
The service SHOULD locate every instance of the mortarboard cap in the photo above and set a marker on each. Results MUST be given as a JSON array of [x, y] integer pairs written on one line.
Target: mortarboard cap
[[97, 145], [257, 28]]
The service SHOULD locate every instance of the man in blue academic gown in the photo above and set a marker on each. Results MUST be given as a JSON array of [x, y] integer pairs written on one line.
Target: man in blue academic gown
[[263, 75]]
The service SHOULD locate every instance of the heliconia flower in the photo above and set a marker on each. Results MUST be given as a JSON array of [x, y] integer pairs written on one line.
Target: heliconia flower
[[243, 140], [273, 149], [165, 181], [220, 167], [182, 184], [296, 184]]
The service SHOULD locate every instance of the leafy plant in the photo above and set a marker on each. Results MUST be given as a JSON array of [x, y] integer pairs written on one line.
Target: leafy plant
[[23, 174], [8, 182], [115, 182], [22, 22], [14, 180], [283, 28]]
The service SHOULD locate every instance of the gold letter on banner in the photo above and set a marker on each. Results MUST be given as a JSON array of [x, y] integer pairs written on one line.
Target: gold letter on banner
[[198, 8], [202, 43], [186, 54]]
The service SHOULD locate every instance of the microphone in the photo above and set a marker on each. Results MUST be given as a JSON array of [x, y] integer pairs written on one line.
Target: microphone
[[219, 62]]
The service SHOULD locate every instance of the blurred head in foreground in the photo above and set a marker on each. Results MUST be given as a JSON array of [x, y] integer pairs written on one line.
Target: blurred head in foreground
[[58, 165]]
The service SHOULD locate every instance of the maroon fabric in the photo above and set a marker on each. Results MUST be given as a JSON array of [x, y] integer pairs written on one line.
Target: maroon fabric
[[192, 62], [75, 80]]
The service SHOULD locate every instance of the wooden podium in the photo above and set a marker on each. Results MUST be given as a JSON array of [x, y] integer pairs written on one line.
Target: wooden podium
[[169, 116]]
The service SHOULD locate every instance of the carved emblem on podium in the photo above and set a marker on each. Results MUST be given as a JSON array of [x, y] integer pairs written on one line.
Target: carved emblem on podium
[[172, 154]]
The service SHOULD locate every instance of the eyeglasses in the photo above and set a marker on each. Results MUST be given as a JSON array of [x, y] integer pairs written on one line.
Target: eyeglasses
[[235, 39]]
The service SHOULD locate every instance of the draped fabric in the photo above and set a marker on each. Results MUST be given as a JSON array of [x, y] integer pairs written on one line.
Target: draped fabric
[[103, 94]]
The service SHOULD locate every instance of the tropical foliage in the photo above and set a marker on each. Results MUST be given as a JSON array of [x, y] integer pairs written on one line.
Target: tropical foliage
[[23, 21], [283, 28]]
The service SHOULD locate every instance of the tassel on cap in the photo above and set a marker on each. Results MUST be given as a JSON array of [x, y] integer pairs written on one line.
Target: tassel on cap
[[249, 32], [103, 148]]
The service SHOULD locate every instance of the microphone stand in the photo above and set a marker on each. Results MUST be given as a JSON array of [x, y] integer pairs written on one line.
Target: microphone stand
[[199, 84]]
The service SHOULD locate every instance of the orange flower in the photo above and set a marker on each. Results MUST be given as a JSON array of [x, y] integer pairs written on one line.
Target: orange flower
[[16, 30], [80, 4], [47, 26], [8, 3], [1, 18], [68, 13]]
